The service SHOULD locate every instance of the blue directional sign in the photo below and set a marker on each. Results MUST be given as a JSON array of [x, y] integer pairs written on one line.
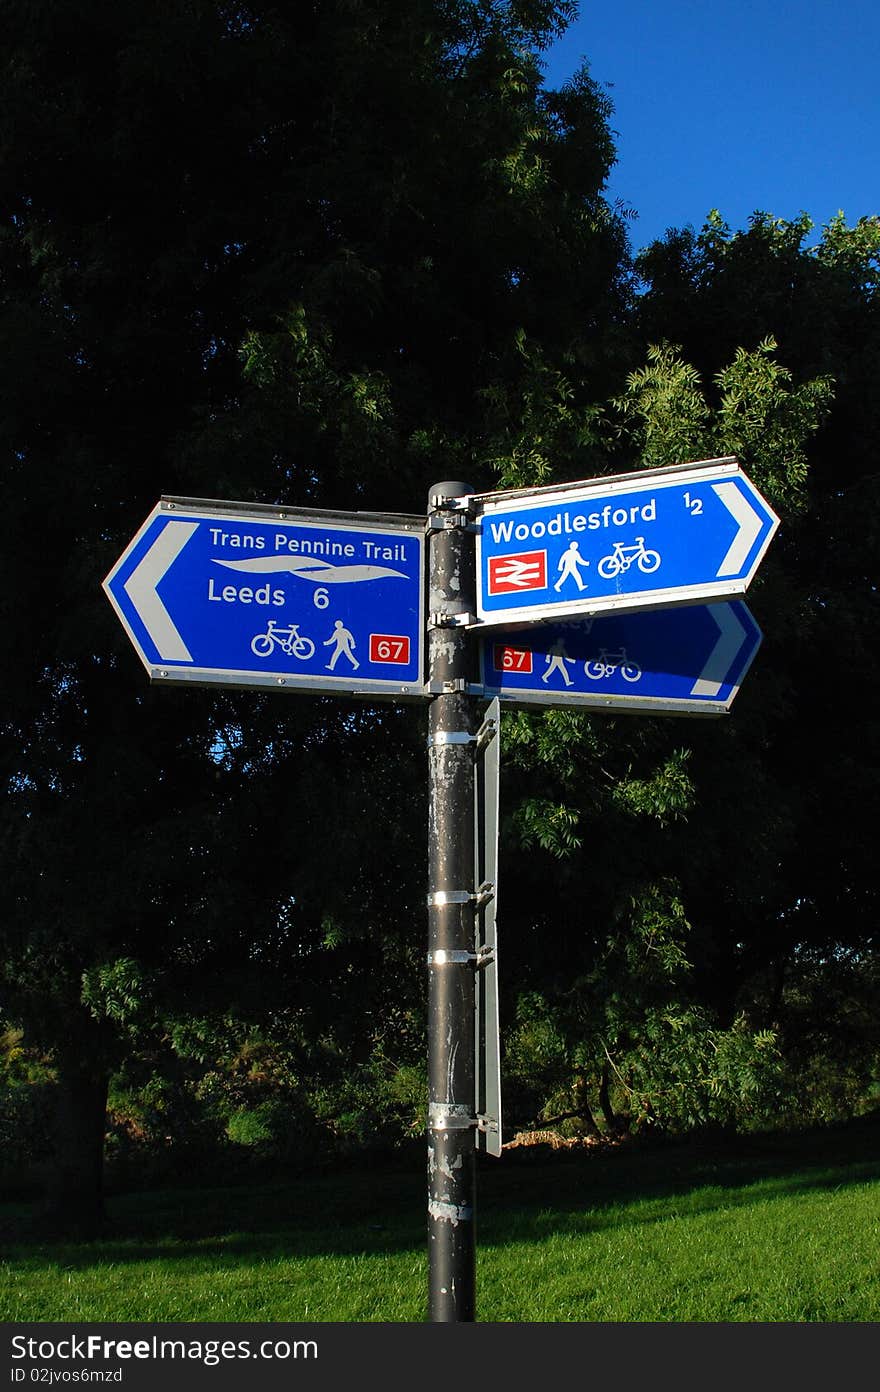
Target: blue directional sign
[[687, 661], [242, 596], [636, 541]]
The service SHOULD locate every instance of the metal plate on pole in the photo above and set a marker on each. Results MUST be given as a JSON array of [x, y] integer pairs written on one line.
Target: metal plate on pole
[[648, 540], [488, 1051], [251, 596], [687, 661]]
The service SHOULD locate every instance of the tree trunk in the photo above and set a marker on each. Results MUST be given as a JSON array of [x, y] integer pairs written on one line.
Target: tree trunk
[[605, 1100], [583, 1108], [75, 1200]]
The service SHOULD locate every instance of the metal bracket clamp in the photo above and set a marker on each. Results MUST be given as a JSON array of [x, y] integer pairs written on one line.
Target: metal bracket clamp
[[440, 898], [440, 502], [487, 1123], [441, 620], [451, 522], [450, 1116], [484, 894], [487, 732], [446, 688], [451, 957], [441, 737]]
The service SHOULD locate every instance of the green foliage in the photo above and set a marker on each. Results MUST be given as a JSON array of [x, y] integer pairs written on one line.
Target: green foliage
[[548, 825], [797, 774], [656, 815], [349, 411], [547, 423], [828, 1008], [629, 1039], [669, 1067], [666, 795], [559, 739], [537, 1044], [25, 1111], [257, 1126], [854, 250], [767, 423], [760, 416], [657, 933], [378, 1105], [268, 1092], [20, 1064], [120, 992], [665, 409], [685, 1072]]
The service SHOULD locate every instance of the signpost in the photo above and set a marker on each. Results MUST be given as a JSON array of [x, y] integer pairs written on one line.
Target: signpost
[[249, 596], [637, 541], [687, 661], [452, 918], [594, 594]]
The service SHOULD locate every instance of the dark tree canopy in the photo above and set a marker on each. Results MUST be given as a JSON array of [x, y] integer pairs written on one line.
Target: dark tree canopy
[[315, 254]]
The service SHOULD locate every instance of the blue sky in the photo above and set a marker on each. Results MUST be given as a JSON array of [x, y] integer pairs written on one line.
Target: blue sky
[[743, 105]]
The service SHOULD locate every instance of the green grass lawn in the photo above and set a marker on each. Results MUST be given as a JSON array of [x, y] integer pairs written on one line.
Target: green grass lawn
[[766, 1231]]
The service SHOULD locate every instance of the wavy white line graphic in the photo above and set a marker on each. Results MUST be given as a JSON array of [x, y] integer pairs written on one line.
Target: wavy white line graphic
[[308, 568]]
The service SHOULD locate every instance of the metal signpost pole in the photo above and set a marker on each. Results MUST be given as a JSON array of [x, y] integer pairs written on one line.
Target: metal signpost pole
[[452, 902]]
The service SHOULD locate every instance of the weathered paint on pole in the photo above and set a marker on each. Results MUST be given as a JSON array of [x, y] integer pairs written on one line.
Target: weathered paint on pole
[[451, 914]]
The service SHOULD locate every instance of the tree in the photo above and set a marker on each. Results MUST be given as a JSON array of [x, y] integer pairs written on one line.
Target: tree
[[761, 823], [321, 255], [820, 302]]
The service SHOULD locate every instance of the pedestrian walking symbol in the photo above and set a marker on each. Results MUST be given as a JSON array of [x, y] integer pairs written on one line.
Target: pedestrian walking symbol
[[556, 660], [343, 644], [569, 566]]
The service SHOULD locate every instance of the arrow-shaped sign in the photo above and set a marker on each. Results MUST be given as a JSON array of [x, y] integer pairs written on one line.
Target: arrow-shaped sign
[[687, 661], [244, 595], [650, 540], [142, 589]]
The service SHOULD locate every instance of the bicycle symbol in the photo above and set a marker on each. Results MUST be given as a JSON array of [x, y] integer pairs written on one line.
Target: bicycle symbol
[[607, 663], [289, 640], [622, 557]]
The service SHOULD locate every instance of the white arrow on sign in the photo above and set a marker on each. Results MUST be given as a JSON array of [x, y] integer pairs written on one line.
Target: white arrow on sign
[[731, 636], [750, 524], [141, 590]]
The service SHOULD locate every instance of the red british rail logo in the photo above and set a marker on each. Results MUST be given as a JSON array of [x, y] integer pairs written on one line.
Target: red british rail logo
[[525, 570]]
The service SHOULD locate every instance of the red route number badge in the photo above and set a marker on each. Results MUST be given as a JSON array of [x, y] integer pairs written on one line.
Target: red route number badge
[[389, 647], [507, 659]]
